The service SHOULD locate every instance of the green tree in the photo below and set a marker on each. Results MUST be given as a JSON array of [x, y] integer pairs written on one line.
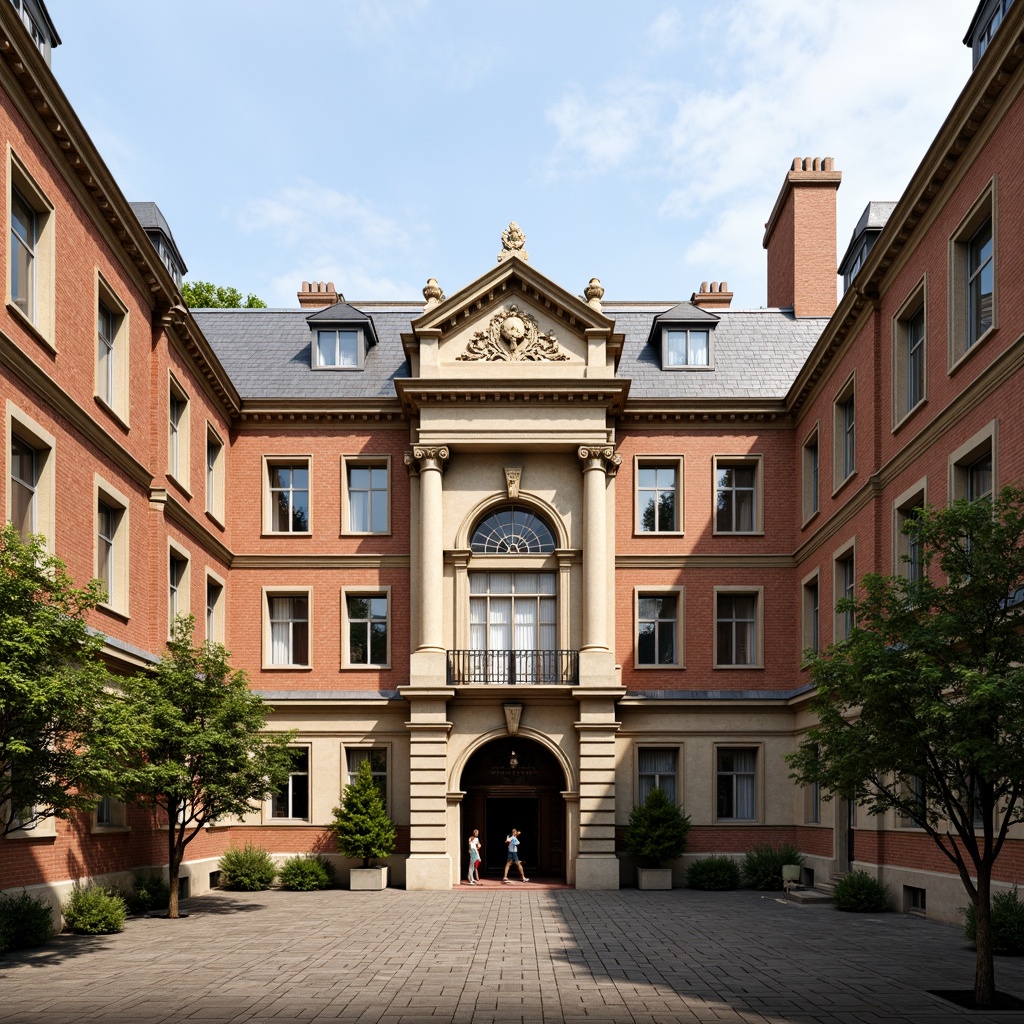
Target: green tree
[[361, 824], [657, 829], [921, 709], [204, 756], [207, 295], [60, 735]]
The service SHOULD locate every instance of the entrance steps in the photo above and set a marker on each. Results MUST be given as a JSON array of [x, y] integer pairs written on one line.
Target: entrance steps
[[821, 893]]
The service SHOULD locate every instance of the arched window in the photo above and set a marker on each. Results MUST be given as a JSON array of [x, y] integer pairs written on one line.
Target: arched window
[[512, 531]]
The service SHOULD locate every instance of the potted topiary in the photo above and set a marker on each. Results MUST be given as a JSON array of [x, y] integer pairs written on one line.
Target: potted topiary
[[363, 829], [657, 832]]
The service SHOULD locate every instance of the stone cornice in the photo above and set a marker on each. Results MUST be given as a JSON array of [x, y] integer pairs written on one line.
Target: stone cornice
[[417, 393], [181, 516], [710, 412], [308, 412], [39, 381], [992, 75]]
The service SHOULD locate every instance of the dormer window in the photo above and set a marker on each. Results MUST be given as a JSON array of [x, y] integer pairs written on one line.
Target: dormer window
[[341, 349], [685, 336], [341, 337], [987, 19], [690, 347]]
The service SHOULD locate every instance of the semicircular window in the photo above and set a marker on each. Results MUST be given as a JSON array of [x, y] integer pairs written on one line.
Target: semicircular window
[[512, 531]]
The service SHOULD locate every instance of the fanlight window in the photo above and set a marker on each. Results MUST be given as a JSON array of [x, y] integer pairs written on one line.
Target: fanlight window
[[512, 531]]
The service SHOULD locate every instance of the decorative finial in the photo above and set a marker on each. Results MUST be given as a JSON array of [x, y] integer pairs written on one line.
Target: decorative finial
[[594, 294], [432, 293], [512, 242]]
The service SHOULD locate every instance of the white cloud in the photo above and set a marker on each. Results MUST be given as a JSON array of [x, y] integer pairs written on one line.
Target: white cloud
[[327, 235], [665, 32]]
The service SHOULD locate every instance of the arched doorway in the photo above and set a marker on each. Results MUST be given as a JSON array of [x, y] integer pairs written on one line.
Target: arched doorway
[[514, 782]]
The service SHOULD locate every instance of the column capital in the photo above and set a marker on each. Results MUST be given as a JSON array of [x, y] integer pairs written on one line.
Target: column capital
[[422, 457], [600, 456]]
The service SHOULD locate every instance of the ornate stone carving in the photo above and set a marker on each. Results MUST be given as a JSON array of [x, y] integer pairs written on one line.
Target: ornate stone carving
[[512, 242], [432, 293], [436, 454], [513, 713], [513, 335], [594, 293], [601, 455], [513, 474]]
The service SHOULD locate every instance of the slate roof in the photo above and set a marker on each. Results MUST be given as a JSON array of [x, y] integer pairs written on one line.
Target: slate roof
[[873, 219], [152, 219], [266, 353]]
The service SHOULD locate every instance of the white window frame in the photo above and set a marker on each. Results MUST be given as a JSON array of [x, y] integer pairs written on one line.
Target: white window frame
[[962, 459], [215, 474], [758, 785], [215, 617], [903, 403], [844, 462], [755, 461], [962, 343], [810, 474], [44, 444], [349, 462], [179, 596], [111, 391], [360, 337], [905, 505], [179, 435], [741, 591], [40, 316], [292, 461], [268, 593], [269, 817], [346, 654], [675, 462], [120, 538], [679, 633], [681, 329], [845, 554]]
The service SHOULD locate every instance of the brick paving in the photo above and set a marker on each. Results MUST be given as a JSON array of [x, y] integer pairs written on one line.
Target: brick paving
[[504, 954]]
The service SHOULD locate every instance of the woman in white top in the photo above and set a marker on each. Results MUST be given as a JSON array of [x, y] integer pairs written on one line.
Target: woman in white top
[[474, 857]]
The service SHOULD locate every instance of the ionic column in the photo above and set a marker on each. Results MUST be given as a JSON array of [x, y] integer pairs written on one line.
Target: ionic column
[[599, 462], [431, 548]]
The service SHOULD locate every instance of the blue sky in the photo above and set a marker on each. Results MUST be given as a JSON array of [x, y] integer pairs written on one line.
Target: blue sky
[[377, 143]]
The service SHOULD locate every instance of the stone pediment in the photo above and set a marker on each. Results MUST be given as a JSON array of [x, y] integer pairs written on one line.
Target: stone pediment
[[511, 314]]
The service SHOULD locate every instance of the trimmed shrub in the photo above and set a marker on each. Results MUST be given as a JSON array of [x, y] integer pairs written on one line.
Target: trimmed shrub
[[1007, 923], [148, 892], [860, 893], [24, 921], [762, 865], [713, 873], [304, 874], [250, 869], [657, 829], [93, 910]]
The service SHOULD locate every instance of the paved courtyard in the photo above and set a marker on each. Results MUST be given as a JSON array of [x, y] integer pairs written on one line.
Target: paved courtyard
[[501, 954]]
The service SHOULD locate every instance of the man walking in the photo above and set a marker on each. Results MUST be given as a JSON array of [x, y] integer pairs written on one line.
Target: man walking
[[513, 857]]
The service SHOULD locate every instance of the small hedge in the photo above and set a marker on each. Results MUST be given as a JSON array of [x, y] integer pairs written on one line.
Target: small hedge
[[148, 892], [93, 910], [249, 869], [24, 921], [304, 874], [859, 893], [1007, 924], [713, 873], [762, 865]]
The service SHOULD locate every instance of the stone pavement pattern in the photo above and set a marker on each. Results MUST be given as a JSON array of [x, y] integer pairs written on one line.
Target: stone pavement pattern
[[502, 954]]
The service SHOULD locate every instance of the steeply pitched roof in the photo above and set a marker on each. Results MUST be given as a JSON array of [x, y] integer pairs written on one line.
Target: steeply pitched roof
[[151, 218]]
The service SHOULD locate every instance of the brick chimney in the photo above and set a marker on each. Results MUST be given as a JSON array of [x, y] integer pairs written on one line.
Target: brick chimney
[[318, 295], [717, 296], [800, 237]]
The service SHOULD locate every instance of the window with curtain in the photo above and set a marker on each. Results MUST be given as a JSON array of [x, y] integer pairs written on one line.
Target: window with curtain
[[289, 631], [656, 768], [378, 758], [736, 784]]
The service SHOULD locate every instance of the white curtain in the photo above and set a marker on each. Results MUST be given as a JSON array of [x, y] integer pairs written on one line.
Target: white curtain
[[281, 615], [744, 762]]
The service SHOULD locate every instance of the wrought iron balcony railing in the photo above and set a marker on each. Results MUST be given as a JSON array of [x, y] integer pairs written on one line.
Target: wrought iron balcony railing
[[511, 668]]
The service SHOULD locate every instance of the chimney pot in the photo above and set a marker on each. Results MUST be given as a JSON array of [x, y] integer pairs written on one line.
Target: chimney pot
[[318, 295]]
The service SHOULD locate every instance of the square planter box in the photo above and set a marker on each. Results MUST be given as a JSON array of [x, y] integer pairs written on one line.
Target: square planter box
[[368, 878], [654, 878]]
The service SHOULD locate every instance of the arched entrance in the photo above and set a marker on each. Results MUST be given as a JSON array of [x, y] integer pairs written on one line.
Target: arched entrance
[[513, 782]]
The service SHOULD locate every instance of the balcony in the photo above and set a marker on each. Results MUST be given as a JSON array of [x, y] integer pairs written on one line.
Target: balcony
[[513, 668]]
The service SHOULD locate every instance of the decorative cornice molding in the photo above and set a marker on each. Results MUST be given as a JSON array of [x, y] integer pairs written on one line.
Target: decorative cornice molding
[[513, 336]]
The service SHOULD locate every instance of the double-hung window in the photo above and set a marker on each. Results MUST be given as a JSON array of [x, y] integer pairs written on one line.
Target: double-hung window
[[105, 354], [657, 769], [289, 496], [687, 347], [178, 434], [367, 616], [24, 474], [845, 584], [367, 498], [292, 799], [178, 584], [736, 629], [809, 473], [378, 758], [657, 630], [736, 773], [737, 494], [339, 349], [24, 238], [980, 281], [658, 491], [288, 618], [974, 287], [844, 429]]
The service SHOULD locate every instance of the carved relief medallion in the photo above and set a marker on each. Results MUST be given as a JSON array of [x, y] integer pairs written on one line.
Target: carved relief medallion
[[513, 335]]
